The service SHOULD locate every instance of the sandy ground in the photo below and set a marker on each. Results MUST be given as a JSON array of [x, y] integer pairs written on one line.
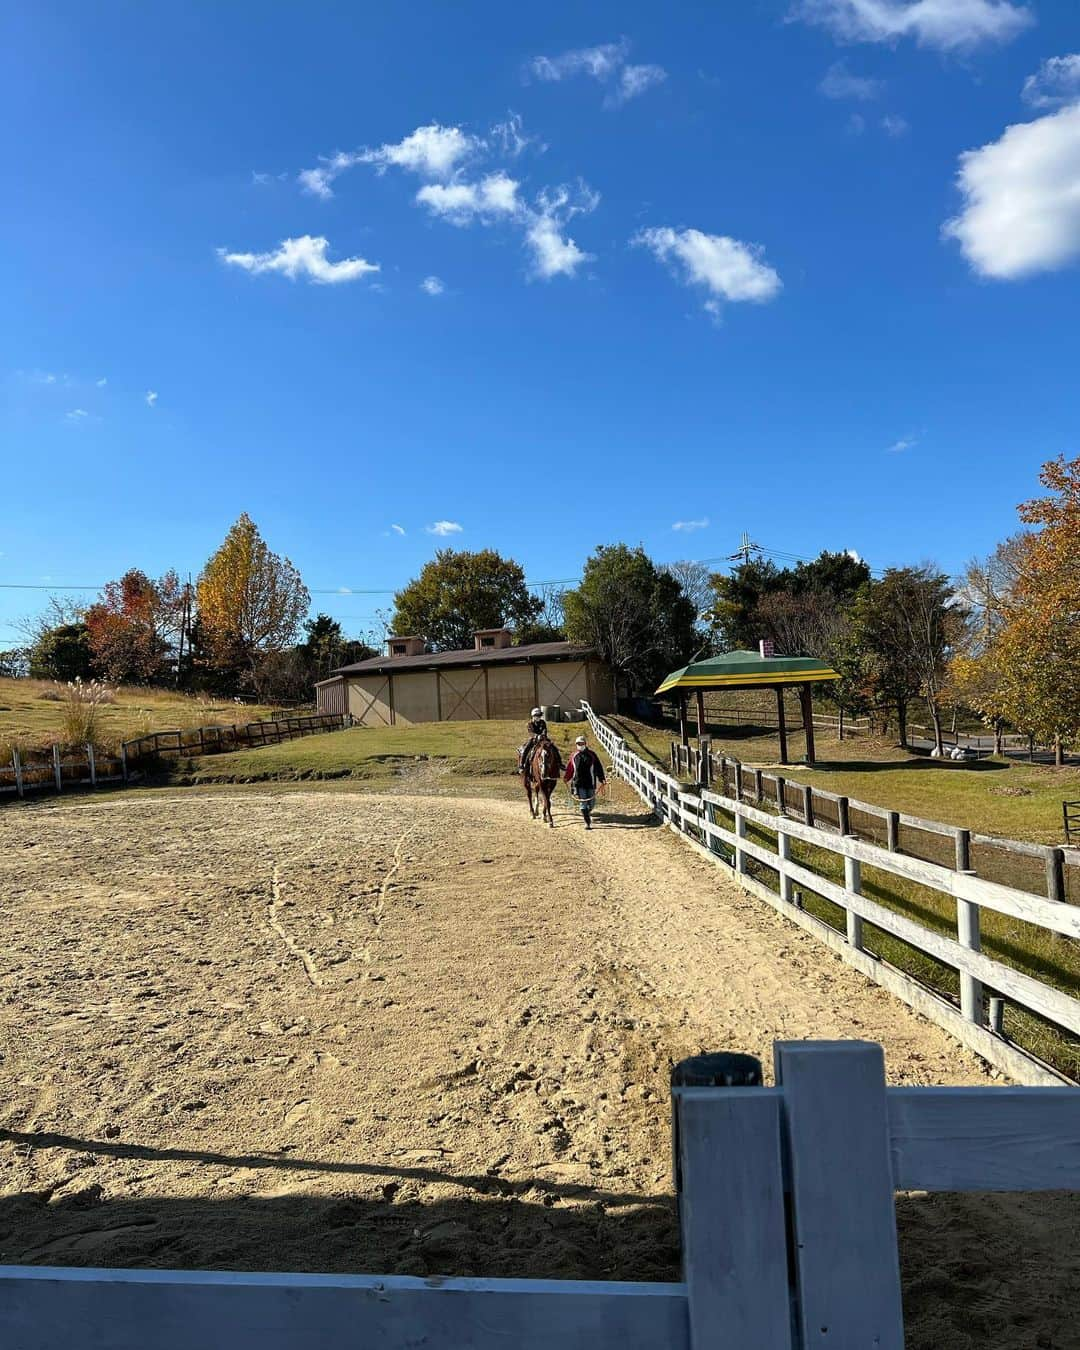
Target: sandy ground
[[345, 1032]]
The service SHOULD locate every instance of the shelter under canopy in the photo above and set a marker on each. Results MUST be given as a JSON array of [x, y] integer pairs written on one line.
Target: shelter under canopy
[[749, 670]]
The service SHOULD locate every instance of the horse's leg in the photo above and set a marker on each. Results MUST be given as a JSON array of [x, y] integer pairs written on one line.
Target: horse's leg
[[534, 793], [548, 790]]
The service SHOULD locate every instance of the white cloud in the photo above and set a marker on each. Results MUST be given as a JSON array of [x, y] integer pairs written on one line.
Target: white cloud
[[444, 527], [840, 83], [635, 80], [510, 138], [600, 62], [151, 397], [553, 253], [1022, 199], [607, 64], [904, 443], [433, 152], [305, 256], [400, 529], [432, 286], [894, 126], [344, 590], [462, 203], [688, 526], [727, 268], [1056, 82], [102, 382], [949, 25], [853, 554], [856, 124], [77, 415]]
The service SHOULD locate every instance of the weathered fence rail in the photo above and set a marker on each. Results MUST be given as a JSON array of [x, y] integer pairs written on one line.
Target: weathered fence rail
[[1046, 869], [730, 827], [786, 1212], [84, 766]]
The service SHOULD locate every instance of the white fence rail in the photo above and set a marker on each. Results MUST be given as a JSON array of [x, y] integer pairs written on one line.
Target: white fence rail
[[787, 1217], [975, 1023]]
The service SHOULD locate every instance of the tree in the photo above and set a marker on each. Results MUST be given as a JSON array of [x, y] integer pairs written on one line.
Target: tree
[[743, 611], [15, 663], [62, 653], [459, 592], [251, 601], [904, 628], [134, 627], [326, 648], [634, 614], [736, 597], [1040, 643], [550, 624], [696, 582]]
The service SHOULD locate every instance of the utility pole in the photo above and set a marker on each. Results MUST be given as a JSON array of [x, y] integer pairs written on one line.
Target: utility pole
[[746, 550]]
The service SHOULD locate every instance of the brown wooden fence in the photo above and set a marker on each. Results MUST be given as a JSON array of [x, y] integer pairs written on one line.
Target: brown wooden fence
[[83, 766]]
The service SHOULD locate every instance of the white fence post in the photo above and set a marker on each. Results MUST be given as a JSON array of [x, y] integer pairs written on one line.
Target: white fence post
[[16, 764], [93, 765], [123, 762], [853, 883], [784, 846], [967, 930], [740, 833], [731, 1214], [842, 1198], [57, 771]]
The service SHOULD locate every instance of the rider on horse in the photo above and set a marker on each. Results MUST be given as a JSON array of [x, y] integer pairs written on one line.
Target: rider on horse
[[537, 730]]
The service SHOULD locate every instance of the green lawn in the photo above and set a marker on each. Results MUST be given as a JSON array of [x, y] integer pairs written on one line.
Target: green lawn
[[1003, 797], [380, 756], [29, 720]]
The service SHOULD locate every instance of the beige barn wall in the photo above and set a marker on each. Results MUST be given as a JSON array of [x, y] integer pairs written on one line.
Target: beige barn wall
[[462, 695], [369, 700], [511, 691], [415, 698]]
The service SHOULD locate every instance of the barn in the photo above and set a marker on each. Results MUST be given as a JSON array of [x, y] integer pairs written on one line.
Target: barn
[[491, 679]]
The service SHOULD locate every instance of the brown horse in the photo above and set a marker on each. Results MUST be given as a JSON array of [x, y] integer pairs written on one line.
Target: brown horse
[[541, 774]]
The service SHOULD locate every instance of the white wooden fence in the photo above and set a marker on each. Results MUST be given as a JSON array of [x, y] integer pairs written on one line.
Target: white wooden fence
[[787, 1217], [976, 1023]]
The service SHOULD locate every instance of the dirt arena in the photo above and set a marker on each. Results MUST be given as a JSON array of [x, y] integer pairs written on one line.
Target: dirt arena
[[343, 1032]]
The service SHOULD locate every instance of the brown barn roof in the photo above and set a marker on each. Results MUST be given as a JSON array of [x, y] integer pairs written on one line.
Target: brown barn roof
[[487, 656]]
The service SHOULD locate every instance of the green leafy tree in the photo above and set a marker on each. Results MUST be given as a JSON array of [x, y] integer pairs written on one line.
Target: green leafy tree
[[905, 629], [636, 615], [62, 653], [458, 592]]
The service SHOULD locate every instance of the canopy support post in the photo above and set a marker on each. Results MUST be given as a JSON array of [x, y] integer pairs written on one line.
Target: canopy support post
[[700, 713], [808, 721], [684, 735], [781, 723]]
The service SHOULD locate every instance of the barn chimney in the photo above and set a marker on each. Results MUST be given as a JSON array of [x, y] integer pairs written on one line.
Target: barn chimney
[[487, 639], [410, 645], [766, 648]]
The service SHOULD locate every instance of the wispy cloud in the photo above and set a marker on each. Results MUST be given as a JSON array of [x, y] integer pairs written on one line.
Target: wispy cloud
[[727, 269], [904, 443], [949, 25], [102, 382], [432, 286], [688, 526], [77, 415], [433, 152], [1055, 83], [302, 257], [510, 138], [400, 529], [607, 64], [151, 397], [894, 126], [839, 83], [444, 527], [1021, 212], [344, 590]]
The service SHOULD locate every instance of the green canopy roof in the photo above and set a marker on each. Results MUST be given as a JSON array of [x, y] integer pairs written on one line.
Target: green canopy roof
[[747, 670]]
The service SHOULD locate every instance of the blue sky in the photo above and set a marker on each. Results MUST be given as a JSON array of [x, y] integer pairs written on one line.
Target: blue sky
[[636, 266]]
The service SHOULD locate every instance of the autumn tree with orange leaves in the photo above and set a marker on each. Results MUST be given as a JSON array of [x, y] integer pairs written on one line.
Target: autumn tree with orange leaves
[[251, 601]]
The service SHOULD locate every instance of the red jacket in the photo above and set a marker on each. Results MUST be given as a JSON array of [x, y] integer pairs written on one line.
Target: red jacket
[[597, 767]]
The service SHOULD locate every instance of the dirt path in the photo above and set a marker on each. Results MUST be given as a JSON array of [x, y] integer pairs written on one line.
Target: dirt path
[[330, 1031]]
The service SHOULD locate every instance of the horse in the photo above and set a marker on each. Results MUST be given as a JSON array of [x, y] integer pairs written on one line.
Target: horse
[[541, 774]]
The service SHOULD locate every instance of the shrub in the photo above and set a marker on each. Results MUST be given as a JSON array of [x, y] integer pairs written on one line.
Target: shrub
[[81, 720], [50, 696]]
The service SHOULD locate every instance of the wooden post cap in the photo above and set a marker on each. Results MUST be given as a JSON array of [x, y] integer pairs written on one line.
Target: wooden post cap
[[717, 1070]]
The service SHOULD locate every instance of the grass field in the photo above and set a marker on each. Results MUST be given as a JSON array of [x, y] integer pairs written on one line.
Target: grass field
[[379, 756], [1005, 797], [29, 720]]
